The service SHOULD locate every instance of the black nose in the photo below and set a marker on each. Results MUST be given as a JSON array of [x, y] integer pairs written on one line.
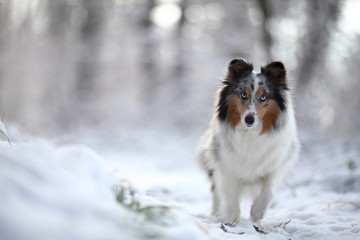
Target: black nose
[[249, 119]]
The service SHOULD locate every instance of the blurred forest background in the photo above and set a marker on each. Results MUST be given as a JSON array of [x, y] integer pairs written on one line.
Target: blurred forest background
[[112, 66]]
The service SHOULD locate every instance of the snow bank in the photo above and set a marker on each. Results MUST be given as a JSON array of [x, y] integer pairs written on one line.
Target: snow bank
[[66, 192], [53, 192]]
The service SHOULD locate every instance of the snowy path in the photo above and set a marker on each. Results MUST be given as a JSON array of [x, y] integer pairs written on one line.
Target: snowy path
[[51, 191]]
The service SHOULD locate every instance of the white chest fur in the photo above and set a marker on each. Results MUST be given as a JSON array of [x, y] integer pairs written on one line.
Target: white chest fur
[[249, 156]]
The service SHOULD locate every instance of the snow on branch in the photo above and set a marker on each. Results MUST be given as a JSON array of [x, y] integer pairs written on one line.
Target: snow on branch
[[3, 130]]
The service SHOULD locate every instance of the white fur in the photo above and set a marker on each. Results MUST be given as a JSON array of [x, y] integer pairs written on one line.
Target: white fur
[[245, 161]]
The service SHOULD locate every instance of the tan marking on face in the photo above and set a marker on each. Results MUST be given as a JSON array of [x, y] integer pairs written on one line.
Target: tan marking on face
[[260, 92], [235, 110], [248, 92], [268, 115]]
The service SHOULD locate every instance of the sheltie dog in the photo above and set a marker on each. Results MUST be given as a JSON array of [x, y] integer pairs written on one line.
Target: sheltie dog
[[252, 139]]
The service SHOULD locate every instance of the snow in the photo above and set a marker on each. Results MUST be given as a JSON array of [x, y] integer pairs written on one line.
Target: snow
[[68, 191], [4, 132]]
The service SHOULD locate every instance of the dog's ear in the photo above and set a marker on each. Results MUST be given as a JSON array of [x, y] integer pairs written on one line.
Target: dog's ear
[[238, 68], [275, 71]]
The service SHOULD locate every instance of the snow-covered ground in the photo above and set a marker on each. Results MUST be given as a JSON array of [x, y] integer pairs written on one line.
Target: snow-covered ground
[[149, 187]]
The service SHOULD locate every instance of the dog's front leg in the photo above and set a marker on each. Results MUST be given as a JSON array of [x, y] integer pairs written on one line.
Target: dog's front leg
[[229, 189], [262, 201]]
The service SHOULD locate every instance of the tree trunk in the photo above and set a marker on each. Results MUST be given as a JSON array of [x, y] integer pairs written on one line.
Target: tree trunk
[[90, 44], [322, 19], [267, 39]]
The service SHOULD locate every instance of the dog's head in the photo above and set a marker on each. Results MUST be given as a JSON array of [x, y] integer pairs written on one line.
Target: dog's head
[[249, 100]]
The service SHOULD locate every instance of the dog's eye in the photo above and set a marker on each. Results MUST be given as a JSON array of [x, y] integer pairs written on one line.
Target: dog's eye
[[244, 95], [263, 98]]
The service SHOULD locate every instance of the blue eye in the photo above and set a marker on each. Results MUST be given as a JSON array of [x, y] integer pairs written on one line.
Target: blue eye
[[244, 95], [263, 98]]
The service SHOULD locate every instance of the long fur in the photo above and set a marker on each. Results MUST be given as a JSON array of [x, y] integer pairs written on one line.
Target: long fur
[[241, 159]]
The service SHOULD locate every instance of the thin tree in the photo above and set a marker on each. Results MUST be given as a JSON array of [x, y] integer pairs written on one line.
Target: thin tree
[[265, 7], [322, 17]]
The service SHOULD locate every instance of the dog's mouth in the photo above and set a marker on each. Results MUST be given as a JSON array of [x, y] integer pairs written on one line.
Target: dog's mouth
[[249, 125], [247, 128]]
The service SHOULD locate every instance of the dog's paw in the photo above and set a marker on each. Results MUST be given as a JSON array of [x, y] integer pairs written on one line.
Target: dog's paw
[[257, 212], [229, 221]]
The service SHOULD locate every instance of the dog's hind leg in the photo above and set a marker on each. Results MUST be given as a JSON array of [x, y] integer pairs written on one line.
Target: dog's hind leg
[[215, 200], [214, 193]]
